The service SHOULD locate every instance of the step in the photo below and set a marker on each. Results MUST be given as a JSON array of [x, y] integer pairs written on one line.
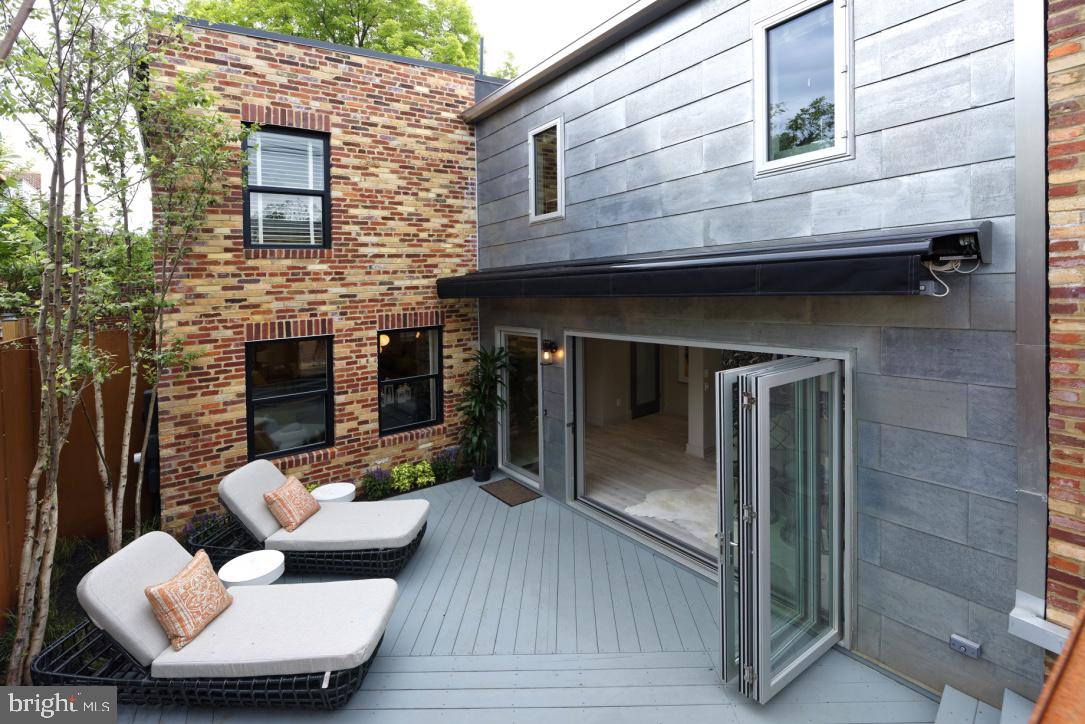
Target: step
[[956, 707], [1016, 709]]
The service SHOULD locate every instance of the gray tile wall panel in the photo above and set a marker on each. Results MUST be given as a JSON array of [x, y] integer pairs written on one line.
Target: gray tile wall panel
[[992, 301], [979, 357], [956, 30], [972, 574], [728, 69], [993, 187], [728, 147], [894, 102], [658, 157], [992, 413], [921, 506], [724, 187], [975, 466], [915, 403], [992, 74], [973, 136], [992, 525], [672, 162], [919, 605]]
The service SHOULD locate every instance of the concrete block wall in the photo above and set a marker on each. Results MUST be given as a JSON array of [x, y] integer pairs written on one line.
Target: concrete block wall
[[1066, 279], [402, 214], [659, 149]]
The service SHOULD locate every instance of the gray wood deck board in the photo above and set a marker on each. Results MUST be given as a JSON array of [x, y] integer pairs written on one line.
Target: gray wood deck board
[[537, 614]]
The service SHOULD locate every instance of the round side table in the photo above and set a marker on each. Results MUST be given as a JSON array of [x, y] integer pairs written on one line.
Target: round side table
[[334, 493], [257, 568]]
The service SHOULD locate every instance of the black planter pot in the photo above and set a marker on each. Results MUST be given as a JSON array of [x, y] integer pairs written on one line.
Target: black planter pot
[[482, 474]]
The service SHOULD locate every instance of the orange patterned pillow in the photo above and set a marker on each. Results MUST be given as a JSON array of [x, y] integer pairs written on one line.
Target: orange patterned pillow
[[291, 504], [186, 603]]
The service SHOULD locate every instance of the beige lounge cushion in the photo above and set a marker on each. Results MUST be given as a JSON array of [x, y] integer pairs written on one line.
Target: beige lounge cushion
[[284, 629], [355, 526], [291, 503], [186, 603], [242, 492], [112, 593]]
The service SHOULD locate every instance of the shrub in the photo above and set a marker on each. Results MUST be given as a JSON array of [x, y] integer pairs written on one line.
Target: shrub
[[378, 483], [424, 475], [446, 465], [403, 477]]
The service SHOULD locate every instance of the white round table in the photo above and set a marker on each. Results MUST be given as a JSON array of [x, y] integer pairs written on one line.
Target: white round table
[[334, 493], [257, 568]]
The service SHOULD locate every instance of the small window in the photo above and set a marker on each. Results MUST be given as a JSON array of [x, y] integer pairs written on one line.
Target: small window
[[290, 398], [287, 201], [409, 378], [802, 86], [546, 180]]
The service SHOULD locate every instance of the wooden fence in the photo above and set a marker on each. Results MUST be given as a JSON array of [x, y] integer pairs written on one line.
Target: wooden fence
[[82, 507]]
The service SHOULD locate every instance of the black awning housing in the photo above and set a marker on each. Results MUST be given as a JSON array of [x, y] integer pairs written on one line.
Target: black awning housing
[[873, 265]]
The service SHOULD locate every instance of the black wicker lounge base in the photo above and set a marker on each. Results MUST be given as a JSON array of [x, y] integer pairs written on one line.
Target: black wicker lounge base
[[226, 538], [87, 656]]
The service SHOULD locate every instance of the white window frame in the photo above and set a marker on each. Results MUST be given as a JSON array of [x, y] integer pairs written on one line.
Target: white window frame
[[560, 213], [842, 145]]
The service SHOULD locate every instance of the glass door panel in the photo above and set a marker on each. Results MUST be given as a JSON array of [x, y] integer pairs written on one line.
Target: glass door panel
[[798, 521], [729, 413], [520, 423], [644, 379], [780, 480]]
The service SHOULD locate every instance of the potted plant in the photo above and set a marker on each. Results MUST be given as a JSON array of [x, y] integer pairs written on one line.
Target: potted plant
[[481, 399]]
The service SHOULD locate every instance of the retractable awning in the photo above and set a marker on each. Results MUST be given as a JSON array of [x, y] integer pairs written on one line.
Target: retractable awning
[[885, 264]]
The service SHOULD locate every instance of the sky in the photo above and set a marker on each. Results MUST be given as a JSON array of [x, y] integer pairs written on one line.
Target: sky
[[534, 31]]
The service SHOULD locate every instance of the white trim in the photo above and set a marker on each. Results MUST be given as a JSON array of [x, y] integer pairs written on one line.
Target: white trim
[[842, 57], [509, 469], [532, 217]]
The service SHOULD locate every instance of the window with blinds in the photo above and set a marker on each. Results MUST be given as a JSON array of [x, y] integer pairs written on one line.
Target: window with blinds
[[287, 198]]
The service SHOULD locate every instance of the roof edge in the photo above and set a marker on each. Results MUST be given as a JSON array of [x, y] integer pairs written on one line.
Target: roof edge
[[606, 34], [324, 45]]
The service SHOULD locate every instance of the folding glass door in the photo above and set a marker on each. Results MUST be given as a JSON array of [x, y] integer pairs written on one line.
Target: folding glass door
[[520, 420], [778, 462]]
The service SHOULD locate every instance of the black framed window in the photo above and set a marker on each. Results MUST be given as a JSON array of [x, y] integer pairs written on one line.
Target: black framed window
[[290, 401], [287, 194], [409, 378]]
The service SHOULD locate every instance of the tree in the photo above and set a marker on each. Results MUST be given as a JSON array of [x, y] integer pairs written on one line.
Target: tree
[[812, 124], [508, 68], [79, 87], [439, 30]]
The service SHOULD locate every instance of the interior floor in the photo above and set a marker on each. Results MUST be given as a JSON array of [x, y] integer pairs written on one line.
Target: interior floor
[[640, 468]]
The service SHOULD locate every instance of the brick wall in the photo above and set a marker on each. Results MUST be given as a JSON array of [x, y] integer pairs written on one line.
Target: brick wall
[[402, 214], [1066, 277]]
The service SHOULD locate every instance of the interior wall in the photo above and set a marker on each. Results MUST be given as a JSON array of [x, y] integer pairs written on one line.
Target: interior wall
[[675, 394], [606, 381]]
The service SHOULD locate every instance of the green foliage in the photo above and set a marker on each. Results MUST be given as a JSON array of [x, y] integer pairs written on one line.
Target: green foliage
[[438, 30], [446, 465], [424, 475], [508, 68], [403, 477], [479, 403], [377, 483]]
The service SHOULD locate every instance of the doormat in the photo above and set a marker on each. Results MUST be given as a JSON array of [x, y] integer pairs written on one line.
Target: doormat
[[510, 492]]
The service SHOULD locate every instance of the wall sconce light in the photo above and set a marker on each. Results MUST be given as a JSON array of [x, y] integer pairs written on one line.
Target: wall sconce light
[[550, 351], [385, 340]]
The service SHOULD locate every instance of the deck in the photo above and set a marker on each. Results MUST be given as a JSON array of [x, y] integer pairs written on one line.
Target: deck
[[501, 620]]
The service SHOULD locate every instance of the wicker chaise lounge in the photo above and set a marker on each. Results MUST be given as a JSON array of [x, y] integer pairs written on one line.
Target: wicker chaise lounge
[[363, 540], [305, 645]]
